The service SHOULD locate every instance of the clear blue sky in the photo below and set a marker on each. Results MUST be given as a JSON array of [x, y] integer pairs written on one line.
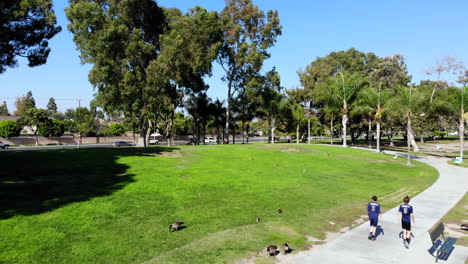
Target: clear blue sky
[[422, 30]]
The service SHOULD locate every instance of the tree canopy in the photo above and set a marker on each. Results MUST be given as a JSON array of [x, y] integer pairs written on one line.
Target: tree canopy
[[25, 29]]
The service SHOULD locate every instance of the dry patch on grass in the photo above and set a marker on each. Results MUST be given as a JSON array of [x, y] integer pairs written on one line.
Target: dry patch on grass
[[173, 154], [290, 150]]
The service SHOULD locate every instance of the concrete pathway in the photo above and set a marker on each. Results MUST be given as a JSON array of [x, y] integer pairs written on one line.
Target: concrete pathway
[[429, 207]]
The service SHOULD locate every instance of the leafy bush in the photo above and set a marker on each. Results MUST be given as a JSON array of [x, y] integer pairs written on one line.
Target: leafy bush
[[54, 128], [116, 129], [9, 129]]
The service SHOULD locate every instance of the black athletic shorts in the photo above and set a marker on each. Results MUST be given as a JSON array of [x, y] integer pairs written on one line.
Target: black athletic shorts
[[406, 225], [373, 222]]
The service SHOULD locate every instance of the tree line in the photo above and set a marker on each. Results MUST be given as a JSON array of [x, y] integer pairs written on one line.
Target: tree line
[[149, 62]]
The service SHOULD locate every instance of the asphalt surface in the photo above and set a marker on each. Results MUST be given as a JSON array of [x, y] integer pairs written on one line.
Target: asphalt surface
[[429, 207]]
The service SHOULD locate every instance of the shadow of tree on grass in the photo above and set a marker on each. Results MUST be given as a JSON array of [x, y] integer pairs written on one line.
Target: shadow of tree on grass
[[33, 182]]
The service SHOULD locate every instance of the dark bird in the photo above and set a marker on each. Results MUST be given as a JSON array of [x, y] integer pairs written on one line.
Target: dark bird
[[257, 219], [175, 226], [272, 250], [280, 211], [287, 248]]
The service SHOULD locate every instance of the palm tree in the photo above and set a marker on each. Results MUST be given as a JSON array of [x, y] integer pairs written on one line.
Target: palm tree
[[298, 115], [374, 102], [344, 93], [407, 102]]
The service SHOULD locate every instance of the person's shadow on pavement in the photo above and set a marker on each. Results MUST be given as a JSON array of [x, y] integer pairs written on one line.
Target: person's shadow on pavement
[[379, 231]]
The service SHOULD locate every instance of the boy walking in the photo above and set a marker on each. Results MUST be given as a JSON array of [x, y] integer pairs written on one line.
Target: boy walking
[[373, 211], [406, 214]]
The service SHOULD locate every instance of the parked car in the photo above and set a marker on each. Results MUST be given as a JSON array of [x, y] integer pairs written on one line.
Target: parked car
[[153, 141], [4, 145], [121, 143], [210, 140]]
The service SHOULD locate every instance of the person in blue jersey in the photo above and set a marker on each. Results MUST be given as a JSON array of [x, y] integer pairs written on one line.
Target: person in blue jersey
[[406, 213], [373, 211]]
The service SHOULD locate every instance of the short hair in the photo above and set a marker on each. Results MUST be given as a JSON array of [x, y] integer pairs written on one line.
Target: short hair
[[406, 199], [374, 198]]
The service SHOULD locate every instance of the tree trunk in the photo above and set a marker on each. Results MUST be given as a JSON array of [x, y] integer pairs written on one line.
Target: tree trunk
[[148, 132], [169, 126], [344, 122], [141, 139], [243, 133], [390, 138], [421, 138], [142, 127], [272, 131], [378, 135], [369, 131], [462, 137], [408, 141], [410, 136], [226, 132], [204, 133], [233, 135], [331, 130], [36, 139], [247, 130], [297, 134]]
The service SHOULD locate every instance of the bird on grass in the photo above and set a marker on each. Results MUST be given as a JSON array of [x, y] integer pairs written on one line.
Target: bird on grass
[[280, 211], [175, 226], [272, 250], [287, 248], [257, 219]]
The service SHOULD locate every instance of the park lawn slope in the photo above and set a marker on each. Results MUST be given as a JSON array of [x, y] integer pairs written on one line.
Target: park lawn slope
[[116, 205]]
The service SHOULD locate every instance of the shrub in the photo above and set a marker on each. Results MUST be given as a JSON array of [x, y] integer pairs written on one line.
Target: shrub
[[116, 129], [54, 128], [9, 129]]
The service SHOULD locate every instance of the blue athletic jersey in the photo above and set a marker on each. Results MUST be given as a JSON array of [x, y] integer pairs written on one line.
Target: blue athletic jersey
[[373, 208], [406, 210]]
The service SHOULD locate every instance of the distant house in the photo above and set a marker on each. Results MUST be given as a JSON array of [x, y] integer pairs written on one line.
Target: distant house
[[25, 130]]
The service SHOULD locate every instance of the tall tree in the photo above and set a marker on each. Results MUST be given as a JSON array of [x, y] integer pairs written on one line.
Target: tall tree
[[25, 28], [374, 101], [445, 64], [461, 101], [4, 109], [407, 102], [187, 53], [267, 95], [24, 103], [120, 39], [343, 91], [247, 35], [321, 78], [51, 106], [298, 114], [34, 119]]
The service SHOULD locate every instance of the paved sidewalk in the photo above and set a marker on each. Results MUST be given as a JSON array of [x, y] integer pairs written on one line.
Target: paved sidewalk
[[429, 207]]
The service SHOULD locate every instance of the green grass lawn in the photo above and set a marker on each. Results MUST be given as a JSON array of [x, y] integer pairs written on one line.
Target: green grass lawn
[[116, 205]]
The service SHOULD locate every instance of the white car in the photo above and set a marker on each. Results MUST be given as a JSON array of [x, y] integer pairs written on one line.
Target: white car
[[210, 140], [153, 141], [4, 145]]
